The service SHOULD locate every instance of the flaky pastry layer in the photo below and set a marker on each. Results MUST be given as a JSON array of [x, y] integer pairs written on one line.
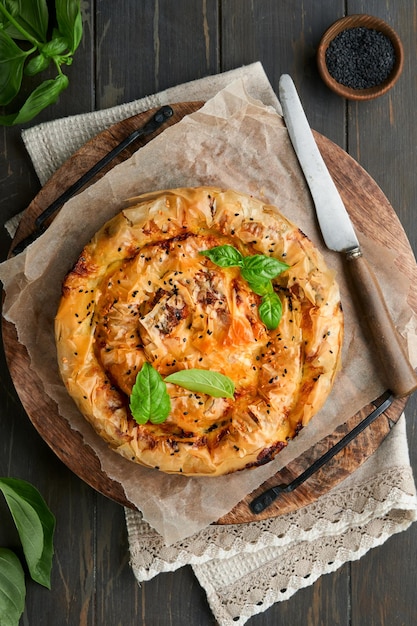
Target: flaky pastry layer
[[141, 291]]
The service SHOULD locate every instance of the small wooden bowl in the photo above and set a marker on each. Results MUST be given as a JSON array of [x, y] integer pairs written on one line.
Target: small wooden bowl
[[356, 21]]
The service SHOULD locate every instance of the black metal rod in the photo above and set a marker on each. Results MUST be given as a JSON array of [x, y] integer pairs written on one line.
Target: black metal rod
[[265, 499], [154, 123]]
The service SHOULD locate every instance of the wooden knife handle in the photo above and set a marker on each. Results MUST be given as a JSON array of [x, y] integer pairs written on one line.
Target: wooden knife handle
[[396, 370]]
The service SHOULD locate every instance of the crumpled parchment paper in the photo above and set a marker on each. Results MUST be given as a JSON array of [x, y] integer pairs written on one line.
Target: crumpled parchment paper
[[236, 142]]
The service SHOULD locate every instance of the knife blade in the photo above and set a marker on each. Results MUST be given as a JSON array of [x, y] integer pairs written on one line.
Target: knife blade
[[339, 235]]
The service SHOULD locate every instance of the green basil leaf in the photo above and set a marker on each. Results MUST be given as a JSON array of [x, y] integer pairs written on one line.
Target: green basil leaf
[[11, 7], [36, 64], [224, 256], [4, 20], [12, 60], [70, 23], [12, 588], [270, 310], [45, 94], [35, 525], [56, 46], [32, 16], [203, 381], [259, 266], [261, 287], [149, 400]]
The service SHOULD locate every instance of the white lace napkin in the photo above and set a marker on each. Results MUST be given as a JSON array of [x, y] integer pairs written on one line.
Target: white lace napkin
[[246, 568]]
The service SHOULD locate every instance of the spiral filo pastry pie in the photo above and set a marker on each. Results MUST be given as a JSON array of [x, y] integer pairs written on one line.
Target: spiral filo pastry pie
[[142, 292]]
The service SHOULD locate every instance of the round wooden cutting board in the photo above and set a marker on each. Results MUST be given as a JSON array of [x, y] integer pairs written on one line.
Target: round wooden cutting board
[[367, 206]]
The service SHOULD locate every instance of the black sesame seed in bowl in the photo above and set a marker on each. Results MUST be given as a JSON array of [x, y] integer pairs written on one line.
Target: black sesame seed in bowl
[[360, 57]]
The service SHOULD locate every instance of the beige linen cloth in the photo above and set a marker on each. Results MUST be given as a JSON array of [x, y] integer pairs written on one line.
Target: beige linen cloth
[[246, 568]]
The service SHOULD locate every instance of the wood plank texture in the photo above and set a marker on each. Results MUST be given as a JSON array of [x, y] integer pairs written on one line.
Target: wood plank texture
[[162, 43], [133, 49]]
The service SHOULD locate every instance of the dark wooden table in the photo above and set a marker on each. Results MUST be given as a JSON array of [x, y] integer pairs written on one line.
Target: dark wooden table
[[131, 49]]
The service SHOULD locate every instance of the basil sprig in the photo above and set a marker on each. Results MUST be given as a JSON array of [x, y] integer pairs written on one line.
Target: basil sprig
[[150, 400], [29, 21], [35, 525], [258, 270]]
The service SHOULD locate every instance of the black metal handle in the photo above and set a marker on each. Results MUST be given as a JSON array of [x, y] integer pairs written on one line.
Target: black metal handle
[[161, 116], [265, 499]]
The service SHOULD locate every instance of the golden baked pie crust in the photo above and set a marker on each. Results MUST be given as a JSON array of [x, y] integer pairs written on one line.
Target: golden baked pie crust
[[141, 291]]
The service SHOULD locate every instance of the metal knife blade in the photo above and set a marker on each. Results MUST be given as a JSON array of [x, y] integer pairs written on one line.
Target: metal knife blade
[[339, 235], [335, 224]]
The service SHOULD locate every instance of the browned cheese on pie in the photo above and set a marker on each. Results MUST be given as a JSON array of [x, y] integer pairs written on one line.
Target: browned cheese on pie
[[142, 292]]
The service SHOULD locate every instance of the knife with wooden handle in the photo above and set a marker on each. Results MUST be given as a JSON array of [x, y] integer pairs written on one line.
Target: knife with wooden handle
[[396, 371]]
